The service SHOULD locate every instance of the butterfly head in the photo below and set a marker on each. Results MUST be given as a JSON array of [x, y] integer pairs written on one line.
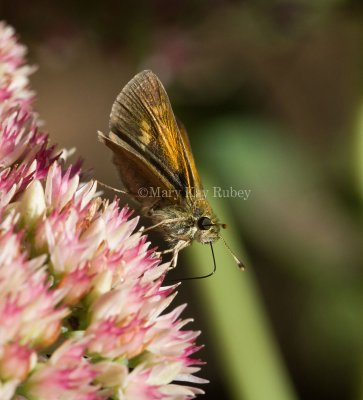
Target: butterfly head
[[207, 229], [208, 232], [206, 223]]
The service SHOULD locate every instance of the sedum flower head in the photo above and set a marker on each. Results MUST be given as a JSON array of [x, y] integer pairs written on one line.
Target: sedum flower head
[[82, 306]]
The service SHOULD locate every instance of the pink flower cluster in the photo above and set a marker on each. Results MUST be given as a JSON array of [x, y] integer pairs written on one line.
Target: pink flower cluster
[[82, 306]]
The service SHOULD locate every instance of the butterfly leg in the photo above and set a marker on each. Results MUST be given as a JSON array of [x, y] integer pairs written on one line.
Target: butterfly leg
[[147, 210], [175, 250], [161, 253], [164, 222], [179, 246]]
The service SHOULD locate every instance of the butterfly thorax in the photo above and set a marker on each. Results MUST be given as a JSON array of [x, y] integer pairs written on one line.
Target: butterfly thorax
[[193, 220]]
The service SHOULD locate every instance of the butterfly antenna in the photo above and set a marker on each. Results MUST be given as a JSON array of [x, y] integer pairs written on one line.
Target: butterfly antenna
[[240, 264], [111, 188]]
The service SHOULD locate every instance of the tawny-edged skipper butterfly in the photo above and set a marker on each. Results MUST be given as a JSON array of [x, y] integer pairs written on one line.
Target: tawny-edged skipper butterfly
[[152, 152]]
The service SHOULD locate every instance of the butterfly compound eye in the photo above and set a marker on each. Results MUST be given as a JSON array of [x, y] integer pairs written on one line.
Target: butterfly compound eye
[[204, 223]]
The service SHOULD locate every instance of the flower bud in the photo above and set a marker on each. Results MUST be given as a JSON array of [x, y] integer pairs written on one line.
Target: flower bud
[[32, 204]]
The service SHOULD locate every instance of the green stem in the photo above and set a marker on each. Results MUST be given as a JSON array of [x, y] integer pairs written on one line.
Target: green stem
[[238, 325]]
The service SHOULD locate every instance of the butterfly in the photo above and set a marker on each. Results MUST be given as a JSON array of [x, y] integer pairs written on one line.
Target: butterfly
[[152, 153]]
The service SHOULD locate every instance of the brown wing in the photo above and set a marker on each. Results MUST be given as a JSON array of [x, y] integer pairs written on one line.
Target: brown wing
[[135, 172], [195, 183], [145, 136]]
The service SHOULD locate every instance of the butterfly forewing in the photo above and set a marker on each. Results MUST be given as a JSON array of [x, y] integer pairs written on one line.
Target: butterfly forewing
[[195, 185], [144, 131]]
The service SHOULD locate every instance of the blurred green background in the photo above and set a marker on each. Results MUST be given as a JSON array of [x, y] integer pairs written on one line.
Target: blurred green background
[[271, 94]]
